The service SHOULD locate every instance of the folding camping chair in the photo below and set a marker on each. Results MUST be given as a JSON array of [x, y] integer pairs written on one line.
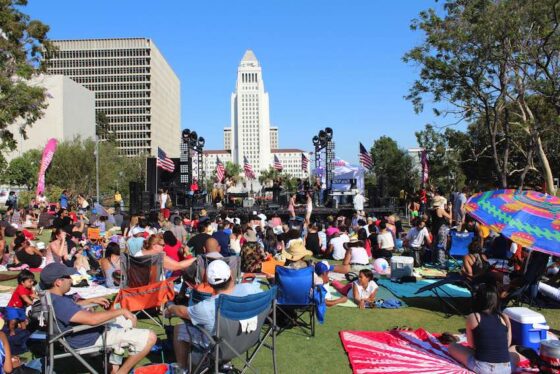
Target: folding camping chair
[[535, 268], [142, 287], [459, 247], [296, 292], [230, 341], [439, 292], [55, 338]]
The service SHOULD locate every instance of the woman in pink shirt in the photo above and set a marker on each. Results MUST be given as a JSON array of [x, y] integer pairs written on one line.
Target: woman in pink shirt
[[172, 247]]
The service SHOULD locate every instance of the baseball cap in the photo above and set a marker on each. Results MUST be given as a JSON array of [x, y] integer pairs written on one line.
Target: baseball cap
[[55, 271], [218, 272], [323, 267]]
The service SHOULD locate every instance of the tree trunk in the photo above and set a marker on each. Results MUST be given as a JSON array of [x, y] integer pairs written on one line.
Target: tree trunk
[[548, 178]]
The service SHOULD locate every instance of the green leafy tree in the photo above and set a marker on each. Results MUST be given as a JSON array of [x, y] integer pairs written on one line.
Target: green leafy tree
[[233, 171], [24, 47], [393, 167], [445, 169], [22, 171]]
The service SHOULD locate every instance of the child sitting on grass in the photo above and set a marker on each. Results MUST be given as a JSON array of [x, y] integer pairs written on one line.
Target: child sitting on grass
[[362, 291], [21, 298]]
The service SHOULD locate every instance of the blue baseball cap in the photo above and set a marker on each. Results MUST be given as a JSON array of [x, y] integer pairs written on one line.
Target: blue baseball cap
[[323, 267], [55, 271]]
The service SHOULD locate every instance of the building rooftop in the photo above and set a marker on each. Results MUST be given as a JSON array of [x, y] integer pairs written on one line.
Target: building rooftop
[[249, 56], [286, 150], [216, 152]]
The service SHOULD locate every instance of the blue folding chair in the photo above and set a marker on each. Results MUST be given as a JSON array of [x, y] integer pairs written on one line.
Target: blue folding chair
[[459, 247], [296, 294], [230, 341]]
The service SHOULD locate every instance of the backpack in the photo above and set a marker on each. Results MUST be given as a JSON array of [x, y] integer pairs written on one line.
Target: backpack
[[168, 203]]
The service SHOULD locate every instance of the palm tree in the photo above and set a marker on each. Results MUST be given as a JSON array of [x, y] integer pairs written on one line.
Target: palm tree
[[233, 171]]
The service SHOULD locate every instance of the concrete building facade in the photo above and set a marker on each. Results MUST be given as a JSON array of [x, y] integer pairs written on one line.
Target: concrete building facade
[[70, 113], [134, 86]]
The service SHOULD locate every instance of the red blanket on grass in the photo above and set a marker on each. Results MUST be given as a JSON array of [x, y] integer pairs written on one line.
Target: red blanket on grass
[[398, 352]]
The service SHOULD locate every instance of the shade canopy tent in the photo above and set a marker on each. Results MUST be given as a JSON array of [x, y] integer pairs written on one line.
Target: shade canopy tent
[[344, 172]]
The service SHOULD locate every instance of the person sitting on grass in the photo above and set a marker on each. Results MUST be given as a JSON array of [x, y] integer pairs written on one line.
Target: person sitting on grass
[[21, 298], [203, 314], [475, 264], [355, 259], [322, 271], [363, 289], [55, 278], [488, 335]]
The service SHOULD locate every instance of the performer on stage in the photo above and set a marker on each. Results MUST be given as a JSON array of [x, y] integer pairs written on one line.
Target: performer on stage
[[292, 206]]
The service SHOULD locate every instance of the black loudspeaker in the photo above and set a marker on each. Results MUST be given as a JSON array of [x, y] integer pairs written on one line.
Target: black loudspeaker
[[135, 190], [147, 201]]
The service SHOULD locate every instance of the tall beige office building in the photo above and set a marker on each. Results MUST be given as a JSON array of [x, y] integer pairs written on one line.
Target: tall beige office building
[[133, 85]]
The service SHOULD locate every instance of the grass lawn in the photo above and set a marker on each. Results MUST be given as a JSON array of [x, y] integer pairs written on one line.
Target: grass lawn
[[324, 352]]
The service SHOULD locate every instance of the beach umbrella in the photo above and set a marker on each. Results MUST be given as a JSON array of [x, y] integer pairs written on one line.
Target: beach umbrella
[[529, 218]]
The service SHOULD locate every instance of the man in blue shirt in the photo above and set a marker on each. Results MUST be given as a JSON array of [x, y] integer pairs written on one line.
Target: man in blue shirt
[[203, 314], [64, 200], [136, 243], [55, 278]]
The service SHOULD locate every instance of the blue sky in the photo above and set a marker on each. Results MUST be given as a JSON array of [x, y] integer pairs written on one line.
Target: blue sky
[[325, 63]]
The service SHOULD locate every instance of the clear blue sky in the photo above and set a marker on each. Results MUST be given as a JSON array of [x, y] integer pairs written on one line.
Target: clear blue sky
[[325, 63]]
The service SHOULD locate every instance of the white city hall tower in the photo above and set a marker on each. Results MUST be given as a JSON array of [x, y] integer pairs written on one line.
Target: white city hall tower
[[250, 116]]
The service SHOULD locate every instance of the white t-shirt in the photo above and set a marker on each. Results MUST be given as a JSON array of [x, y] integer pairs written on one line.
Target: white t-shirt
[[338, 246], [416, 237], [359, 201], [362, 293], [359, 256], [385, 240], [163, 200]]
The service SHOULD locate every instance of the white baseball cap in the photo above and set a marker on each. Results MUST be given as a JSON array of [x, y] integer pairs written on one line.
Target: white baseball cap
[[218, 272], [136, 230]]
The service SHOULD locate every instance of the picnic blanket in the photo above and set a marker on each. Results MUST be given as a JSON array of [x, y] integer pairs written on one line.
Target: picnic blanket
[[83, 292], [382, 293], [408, 289], [430, 272], [398, 352]]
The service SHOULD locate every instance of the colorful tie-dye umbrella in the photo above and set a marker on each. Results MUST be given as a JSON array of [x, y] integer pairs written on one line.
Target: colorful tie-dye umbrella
[[529, 218]]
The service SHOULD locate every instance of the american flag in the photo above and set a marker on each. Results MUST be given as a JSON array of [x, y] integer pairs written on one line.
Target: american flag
[[365, 158], [220, 169], [277, 164], [248, 169], [164, 162], [304, 162]]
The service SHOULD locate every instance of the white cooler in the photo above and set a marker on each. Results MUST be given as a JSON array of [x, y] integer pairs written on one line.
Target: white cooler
[[401, 266], [528, 328]]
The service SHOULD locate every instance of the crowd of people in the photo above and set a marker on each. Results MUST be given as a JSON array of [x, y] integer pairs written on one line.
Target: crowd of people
[[90, 241]]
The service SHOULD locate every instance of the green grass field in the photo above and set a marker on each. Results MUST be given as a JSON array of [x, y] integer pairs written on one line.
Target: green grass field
[[324, 352]]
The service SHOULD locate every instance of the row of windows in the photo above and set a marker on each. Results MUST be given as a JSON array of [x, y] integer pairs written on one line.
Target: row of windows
[[118, 87], [117, 103], [109, 111], [121, 95], [128, 119], [143, 128], [96, 53], [128, 135], [111, 78], [247, 98], [134, 143], [249, 78], [111, 71], [98, 62]]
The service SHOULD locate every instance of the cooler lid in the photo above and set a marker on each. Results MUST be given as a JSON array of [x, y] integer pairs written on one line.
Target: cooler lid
[[402, 259], [524, 315]]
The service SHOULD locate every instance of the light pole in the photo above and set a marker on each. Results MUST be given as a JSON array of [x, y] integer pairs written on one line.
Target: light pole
[[97, 167], [323, 140]]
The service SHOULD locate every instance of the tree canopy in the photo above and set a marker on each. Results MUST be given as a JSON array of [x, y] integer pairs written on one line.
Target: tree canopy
[[24, 47]]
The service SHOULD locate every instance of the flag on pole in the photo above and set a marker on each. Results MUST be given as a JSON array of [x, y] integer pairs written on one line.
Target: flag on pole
[[425, 167], [304, 162], [365, 158], [48, 154], [277, 164], [164, 162], [220, 169], [248, 169]]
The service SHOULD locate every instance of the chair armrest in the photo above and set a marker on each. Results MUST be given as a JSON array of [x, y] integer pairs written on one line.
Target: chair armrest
[[211, 338], [79, 328]]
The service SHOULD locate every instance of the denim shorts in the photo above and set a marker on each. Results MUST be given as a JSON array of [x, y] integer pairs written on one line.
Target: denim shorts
[[481, 367]]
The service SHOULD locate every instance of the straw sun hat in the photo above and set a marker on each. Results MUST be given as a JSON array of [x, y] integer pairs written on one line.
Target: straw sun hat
[[296, 251]]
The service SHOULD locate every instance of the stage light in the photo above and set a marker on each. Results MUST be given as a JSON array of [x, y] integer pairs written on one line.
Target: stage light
[[315, 140], [201, 142], [185, 134], [322, 136], [329, 133]]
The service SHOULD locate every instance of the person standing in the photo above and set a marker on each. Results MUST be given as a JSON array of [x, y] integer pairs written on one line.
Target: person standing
[[459, 207], [359, 201], [164, 203], [64, 200]]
